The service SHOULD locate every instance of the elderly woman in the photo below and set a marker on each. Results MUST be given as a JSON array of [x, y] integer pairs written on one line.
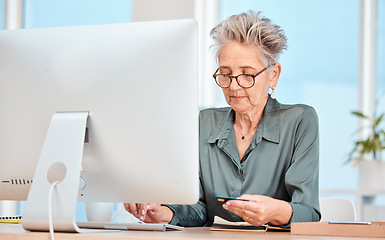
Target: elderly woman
[[256, 149]]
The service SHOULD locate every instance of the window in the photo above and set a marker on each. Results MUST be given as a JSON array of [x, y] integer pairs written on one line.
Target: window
[[56, 13], [319, 68], [381, 56], [1, 14]]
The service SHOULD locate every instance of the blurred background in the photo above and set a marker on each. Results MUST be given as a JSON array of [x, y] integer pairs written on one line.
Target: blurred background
[[331, 46]]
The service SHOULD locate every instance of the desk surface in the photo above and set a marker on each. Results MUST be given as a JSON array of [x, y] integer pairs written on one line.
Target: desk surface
[[16, 232]]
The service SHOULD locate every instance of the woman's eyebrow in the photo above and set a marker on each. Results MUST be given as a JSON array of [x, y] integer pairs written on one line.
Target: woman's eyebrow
[[242, 67], [248, 67], [224, 67]]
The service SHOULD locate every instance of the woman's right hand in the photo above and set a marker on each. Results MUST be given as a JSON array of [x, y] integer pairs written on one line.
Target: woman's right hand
[[150, 213]]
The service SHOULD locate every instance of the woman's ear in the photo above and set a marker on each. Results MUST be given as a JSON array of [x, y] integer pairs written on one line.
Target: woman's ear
[[275, 72]]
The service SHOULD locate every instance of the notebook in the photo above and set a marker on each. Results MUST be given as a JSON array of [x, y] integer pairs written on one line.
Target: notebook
[[221, 224]]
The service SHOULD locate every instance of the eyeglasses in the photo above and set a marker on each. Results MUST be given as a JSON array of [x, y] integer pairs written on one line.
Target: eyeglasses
[[243, 80]]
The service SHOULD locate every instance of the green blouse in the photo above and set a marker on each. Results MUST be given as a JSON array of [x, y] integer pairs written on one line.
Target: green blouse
[[282, 162]]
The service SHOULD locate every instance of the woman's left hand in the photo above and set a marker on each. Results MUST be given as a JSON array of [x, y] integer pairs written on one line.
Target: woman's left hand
[[260, 210]]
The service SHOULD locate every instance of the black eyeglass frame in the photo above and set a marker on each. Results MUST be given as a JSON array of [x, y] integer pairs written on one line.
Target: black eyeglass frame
[[236, 77]]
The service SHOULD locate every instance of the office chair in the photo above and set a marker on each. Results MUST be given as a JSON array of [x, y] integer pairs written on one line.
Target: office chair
[[337, 209]]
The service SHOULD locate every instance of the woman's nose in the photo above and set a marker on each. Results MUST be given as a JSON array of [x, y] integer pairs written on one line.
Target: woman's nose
[[234, 84]]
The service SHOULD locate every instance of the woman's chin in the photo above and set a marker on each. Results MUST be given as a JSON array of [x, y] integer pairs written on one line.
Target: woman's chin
[[239, 108]]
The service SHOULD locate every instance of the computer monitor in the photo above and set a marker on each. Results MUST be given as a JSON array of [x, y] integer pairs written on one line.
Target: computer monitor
[[137, 84]]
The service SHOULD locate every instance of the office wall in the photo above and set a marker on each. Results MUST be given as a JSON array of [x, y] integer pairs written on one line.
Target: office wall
[[146, 10]]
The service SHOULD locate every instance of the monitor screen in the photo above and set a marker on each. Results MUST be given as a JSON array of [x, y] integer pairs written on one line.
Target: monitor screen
[[138, 83]]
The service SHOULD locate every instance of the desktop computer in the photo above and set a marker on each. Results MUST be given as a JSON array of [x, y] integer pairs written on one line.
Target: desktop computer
[[98, 113]]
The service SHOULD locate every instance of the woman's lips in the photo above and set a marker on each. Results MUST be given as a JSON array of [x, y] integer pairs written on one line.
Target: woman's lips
[[237, 98]]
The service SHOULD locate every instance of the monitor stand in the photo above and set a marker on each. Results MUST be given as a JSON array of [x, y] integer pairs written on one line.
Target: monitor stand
[[60, 160]]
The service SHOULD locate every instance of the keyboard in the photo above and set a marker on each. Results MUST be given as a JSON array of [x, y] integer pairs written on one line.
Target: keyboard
[[128, 226]]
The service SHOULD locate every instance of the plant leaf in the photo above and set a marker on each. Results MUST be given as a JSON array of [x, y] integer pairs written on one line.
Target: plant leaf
[[374, 144], [359, 114], [378, 120]]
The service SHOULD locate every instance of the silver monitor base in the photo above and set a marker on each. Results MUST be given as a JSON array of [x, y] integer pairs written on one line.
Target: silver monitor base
[[60, 160]]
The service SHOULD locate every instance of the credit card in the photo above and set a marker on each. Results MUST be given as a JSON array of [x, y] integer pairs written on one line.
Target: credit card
[[221, 200]]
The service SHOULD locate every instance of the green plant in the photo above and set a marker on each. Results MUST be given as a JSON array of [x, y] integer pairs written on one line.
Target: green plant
[[373, 145]]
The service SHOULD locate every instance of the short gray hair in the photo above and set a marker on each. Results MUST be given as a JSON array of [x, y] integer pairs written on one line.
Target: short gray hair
[[251, 29]]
